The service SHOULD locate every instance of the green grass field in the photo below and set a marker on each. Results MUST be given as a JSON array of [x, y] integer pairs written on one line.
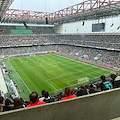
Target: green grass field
[[50, 72]]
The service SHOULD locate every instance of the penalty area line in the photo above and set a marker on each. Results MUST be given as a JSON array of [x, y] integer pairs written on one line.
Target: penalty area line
[[50, 84]]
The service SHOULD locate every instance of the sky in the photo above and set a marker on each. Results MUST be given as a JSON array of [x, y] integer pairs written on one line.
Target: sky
[[43, 5]]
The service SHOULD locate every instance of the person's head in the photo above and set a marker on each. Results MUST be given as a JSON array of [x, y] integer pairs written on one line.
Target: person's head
[[17, 103], [82, 87], [103, 78], [7, 102], [43, 93], [46, 94], [92, 86], [1, 100], [33, 97], [67, 91], [1, 108], [75, 90], [113, 76], [87, 86]]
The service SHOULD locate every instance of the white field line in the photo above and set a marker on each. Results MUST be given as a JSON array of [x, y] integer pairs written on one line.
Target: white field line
[[21, 78], [69, 83], [50, 84], [64, 75]]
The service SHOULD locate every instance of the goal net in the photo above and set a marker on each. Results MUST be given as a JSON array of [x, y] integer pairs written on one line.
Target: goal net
[[83, 80]]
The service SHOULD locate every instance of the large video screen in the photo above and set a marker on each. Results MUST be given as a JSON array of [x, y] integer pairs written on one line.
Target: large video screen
[[99, 27]]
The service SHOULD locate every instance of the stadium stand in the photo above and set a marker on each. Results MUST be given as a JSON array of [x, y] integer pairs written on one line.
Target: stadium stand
[[104, 41], [88, 101], [42, 30], [4, 29], [21, 30]]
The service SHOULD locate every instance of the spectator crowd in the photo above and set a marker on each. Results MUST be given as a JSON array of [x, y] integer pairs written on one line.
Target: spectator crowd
[[105, 57], [36, 100], [88, 47]]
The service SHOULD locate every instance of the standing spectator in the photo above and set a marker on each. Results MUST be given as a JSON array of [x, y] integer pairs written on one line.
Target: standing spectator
[[68, 95], [105, 85], [34, 100]]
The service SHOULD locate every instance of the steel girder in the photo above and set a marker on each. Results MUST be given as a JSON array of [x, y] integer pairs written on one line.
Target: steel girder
[[90, 9], [4, 5]]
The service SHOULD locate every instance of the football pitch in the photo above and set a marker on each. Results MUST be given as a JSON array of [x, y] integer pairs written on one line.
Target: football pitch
[[50, 72]]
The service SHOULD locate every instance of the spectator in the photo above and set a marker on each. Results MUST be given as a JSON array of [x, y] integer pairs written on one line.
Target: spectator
[[68, 95], [82, 91], [105, 85], [48, 99], [42, 97], [34, 100], [1, 100], [93, 89], [8, 106], [75, 91], [17, 103], [1, 108], [115, 80]]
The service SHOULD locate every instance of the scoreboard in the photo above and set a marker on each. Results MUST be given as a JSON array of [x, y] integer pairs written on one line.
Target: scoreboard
[[99, 27]]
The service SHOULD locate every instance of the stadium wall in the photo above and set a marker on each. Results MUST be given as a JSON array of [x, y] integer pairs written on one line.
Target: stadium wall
[[86, 27], [58, 29], [98, 106]]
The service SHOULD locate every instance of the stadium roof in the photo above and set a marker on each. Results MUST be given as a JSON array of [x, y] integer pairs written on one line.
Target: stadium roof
[[90, 9], [4, 5]]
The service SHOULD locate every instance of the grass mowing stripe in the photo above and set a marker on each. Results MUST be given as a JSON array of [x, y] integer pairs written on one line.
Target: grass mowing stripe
[[53, 72], [20, 78], [50, 84], [82, 62]]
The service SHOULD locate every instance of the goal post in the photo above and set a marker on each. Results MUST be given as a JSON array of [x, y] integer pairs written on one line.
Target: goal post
[[83, 80]]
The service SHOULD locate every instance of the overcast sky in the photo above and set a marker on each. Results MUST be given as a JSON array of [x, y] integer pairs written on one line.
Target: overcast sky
[[43, 5]]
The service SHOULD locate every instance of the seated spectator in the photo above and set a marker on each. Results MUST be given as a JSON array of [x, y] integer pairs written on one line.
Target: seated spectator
[[23, 104], [1, 100], [68, 95], [58, 97], [7, 106], [82, 91], [115, 80], [87, 88], [1, 108], [105, 85], [75, 91], [34, 100], [17, 103], [42, 97], [48, 99], [93, 89]]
